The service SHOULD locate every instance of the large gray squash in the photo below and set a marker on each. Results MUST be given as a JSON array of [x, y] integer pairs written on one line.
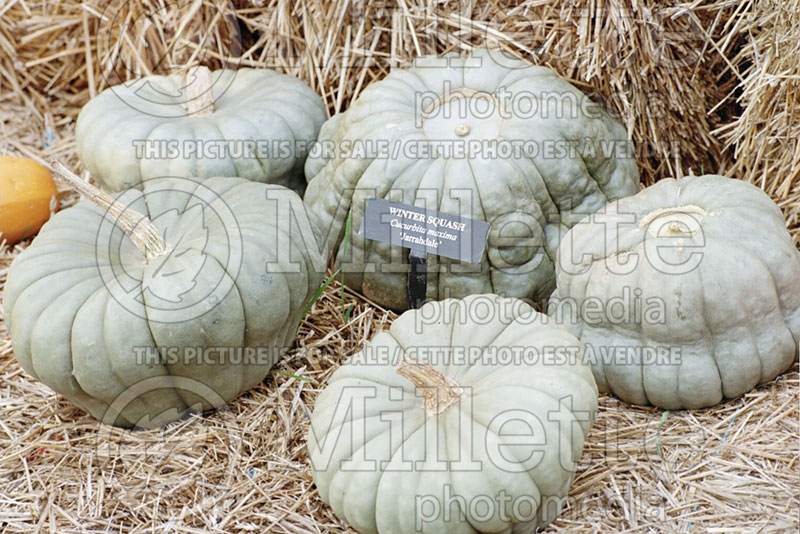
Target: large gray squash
[[185, 313], [557, 157], [466, 416], [249, 123], [685, 294]]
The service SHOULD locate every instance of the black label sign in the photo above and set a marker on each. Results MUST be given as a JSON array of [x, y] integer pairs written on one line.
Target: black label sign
[[424, 231]]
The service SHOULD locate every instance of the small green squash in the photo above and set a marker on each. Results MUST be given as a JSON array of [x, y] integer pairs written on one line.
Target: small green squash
[[248, 123]]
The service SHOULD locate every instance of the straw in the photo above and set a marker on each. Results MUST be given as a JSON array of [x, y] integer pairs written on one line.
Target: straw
[[732, 106]]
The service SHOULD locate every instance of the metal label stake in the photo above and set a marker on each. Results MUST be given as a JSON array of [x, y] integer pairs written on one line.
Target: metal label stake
[[417, 278]]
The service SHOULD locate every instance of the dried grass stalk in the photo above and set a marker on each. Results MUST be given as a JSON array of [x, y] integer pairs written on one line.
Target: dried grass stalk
[[765, 137]]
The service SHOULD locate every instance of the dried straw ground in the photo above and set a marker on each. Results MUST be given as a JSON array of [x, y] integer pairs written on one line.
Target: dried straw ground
[[706, 85]]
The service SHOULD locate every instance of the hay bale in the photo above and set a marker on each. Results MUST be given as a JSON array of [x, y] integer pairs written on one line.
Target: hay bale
[[71, 50], [765, 137], [660, 68]]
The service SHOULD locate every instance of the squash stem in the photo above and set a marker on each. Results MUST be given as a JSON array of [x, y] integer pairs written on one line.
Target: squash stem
[[136, 226], [438, 391], [688, 209], [199, 96]]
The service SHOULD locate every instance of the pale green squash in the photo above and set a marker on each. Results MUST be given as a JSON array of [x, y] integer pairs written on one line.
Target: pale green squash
[[185, 313], [685, 294], [486, 137], [438, 410]]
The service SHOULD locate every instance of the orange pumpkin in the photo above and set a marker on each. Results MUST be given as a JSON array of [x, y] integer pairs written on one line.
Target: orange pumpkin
[[28, 196]]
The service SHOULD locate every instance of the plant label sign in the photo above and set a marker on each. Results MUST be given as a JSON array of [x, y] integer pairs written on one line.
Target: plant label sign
[[424, 231]]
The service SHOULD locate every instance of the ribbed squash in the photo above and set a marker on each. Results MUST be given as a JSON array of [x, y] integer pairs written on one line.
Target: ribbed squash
[[442, 135], [165, 301], [684, 295], [249, 123], [436, 414]]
